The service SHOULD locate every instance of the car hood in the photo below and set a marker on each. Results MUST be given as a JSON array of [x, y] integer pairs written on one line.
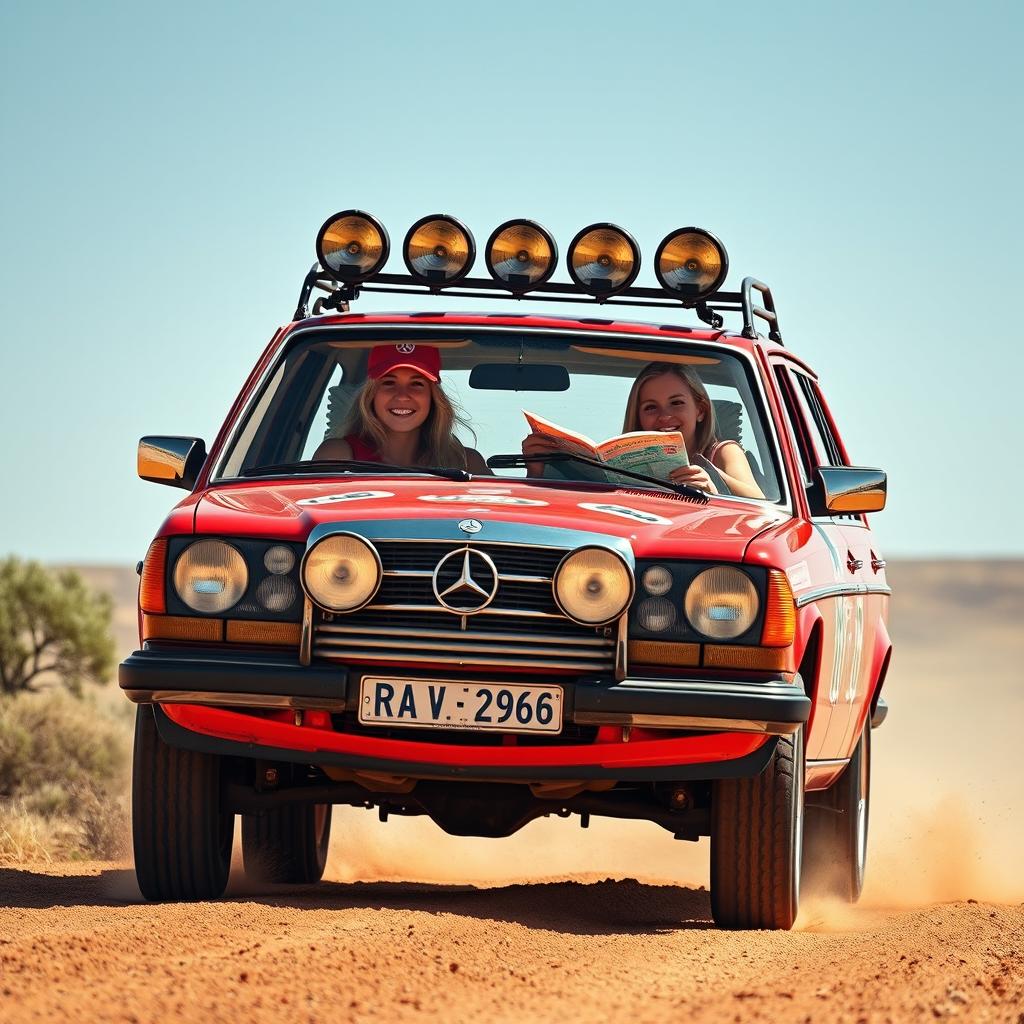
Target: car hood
[[655, 526]]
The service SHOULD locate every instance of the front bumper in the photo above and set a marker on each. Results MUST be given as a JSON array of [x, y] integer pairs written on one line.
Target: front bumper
[[730, 723]]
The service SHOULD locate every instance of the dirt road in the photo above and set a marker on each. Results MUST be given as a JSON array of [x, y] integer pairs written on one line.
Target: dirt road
[[74, 947], [414, 925]]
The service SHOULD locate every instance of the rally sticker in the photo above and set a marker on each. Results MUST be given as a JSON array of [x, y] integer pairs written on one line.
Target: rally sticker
[[799, 576], [476, 499], [334, 499], [624, 512]]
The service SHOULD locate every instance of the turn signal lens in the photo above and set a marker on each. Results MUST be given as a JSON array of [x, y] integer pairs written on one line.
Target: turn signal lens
[[780, 612], [342, 572], [353, 245], [603, 259], [210, 576], [439, 250], [721, 603], [521, 255], [154, 571], [593, 586], [691, 264]]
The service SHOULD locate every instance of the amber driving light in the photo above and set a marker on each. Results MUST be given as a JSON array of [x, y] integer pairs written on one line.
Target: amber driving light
[[721, 603], [210, 576], [593, 586], [353, 245], [342, 572], [521, 255], [603, 259], [439, 250], [691, 264]]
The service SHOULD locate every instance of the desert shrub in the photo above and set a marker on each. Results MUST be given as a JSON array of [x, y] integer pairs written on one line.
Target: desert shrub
[[52, 741], [51, 626]]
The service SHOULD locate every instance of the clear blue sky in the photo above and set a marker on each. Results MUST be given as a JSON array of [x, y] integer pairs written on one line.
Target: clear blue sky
[[165, 169]]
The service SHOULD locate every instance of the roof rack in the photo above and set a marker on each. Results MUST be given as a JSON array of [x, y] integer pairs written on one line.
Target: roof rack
[[340, 295]]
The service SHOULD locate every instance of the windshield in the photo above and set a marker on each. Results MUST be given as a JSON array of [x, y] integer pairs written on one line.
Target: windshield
[[579, 382]]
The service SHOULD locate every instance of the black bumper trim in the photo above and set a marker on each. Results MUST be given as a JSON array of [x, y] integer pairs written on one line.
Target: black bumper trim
[[748, 766], [773, 701], [204, 671]]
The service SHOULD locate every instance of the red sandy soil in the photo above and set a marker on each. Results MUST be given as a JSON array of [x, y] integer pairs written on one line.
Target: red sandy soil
[[77, 946]]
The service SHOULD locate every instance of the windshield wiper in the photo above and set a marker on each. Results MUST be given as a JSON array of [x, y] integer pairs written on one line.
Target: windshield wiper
[[519, 461], [329, 466]]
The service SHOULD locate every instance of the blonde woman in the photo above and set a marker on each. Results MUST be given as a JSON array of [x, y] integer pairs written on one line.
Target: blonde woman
[[667, 397], [401, 415]]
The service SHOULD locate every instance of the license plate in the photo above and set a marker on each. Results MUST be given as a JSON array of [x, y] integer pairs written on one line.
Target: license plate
[[444, 704]]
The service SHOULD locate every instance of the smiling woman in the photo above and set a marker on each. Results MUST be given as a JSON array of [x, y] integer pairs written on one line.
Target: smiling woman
[[402, 416]]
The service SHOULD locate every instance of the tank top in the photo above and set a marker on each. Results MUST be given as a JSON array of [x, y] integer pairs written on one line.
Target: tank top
[[361, 450]]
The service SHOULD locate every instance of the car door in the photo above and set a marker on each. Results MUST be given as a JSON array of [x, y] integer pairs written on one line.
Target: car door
[[849, 536]]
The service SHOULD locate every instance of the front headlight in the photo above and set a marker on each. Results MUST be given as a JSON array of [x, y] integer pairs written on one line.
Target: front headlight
[[342, 572], [722, 603], [210, 576], [593, 586]]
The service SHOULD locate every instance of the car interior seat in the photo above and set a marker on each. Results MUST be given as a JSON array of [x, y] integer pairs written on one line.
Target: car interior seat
[[729, 423]]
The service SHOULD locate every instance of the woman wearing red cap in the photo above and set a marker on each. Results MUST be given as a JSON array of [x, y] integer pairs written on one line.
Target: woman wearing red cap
[[401, 415]]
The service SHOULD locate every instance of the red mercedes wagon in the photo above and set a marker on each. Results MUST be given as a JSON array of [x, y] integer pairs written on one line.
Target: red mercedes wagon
[[531, 636]]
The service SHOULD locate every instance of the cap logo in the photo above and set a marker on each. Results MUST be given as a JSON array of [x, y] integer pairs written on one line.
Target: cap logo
[[405, 348]]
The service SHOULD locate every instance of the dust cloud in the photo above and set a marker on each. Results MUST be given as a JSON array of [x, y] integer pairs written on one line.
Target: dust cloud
[[947, 817]]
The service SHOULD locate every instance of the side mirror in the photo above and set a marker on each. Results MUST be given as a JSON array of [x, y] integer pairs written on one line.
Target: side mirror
[[846, 490], [171, 460]]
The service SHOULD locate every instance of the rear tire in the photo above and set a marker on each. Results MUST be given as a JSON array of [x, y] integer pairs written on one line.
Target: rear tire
[[182, 838], [836, 836], [287, 845], [757, 842]]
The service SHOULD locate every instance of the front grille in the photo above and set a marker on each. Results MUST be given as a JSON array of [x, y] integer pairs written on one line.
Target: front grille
[[521, 629]]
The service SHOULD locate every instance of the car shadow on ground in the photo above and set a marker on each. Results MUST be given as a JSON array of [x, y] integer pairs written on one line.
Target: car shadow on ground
[[610, 907]]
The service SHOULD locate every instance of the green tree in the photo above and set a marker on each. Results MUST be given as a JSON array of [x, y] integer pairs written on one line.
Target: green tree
[[50, 622]]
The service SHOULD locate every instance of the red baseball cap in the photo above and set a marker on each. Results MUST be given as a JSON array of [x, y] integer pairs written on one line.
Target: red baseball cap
[[385, 358]]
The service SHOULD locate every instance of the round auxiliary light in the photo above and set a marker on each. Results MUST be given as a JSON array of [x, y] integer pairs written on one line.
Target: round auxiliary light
[[439, 250], [656, 614], [276, 593], [342, 572], [279, 560], [657, 580], [521, 255], [691, 264], [593, 585], [603, 259], [353, 245], [721, 603], [210, 576]]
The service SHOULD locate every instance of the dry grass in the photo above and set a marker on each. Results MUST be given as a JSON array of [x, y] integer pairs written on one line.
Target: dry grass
[[63, 779]]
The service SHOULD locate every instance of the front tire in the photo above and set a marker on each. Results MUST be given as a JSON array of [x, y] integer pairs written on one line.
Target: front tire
[[757, 843], [181, 836], [836, 838], [287, 845]]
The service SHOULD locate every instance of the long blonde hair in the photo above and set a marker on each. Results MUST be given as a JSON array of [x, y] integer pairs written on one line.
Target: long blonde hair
[[438, 444], [707, 430]]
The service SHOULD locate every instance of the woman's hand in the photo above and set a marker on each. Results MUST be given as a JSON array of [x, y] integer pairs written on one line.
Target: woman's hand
[[537, 444], [694, 476]]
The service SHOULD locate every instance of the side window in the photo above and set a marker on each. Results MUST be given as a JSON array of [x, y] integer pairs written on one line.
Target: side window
[[812, 431], [819, 447]]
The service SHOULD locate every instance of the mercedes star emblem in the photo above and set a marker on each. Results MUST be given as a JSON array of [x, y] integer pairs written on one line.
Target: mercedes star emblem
[[471, 526], [465, 581]]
